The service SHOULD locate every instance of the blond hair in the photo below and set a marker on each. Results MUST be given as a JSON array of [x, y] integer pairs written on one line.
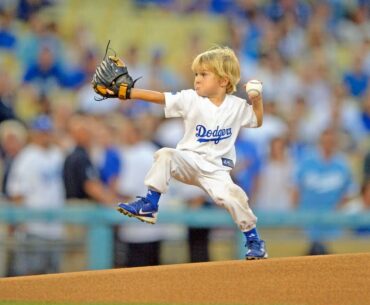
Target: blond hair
[[223, 62]]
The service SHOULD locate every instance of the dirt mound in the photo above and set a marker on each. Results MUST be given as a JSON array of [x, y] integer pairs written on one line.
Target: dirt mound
[[331, 279]]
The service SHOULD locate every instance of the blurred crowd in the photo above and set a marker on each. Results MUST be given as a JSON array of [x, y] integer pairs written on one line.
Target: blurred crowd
[[312, 153]]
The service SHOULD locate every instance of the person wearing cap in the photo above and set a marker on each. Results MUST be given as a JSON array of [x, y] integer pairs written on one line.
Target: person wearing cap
[[35, 182]]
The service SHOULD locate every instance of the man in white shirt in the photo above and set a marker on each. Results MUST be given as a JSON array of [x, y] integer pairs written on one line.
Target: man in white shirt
[[35, 182]]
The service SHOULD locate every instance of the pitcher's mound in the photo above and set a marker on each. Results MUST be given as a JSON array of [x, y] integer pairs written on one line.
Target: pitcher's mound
[[331, 279]]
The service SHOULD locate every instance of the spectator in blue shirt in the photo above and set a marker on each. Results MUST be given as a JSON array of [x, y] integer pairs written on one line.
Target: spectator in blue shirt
[[365, 113], [47, 73], [110, 161], [26, 8], [8, 38], [248, 166], [251, 40], [356, 80], [323, 181], [37, 35], [276, 10]]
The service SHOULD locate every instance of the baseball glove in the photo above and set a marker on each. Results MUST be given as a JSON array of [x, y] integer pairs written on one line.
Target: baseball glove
[[111, 79]]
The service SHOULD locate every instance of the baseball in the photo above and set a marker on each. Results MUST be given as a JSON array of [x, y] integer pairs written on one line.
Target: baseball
[[253, 88]]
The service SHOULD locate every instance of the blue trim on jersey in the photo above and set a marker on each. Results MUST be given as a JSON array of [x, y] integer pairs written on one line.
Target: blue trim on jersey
[[227, 162], [216, 140]]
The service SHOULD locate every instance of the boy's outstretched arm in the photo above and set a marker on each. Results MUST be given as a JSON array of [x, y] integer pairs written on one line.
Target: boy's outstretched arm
[[148, 95], [112, 80]]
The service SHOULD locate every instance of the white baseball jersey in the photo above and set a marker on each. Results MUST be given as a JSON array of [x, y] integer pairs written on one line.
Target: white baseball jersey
[[210, 130]]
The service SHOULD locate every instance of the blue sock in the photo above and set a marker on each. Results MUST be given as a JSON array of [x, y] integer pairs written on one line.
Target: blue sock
[[251, 235], [153, 196]]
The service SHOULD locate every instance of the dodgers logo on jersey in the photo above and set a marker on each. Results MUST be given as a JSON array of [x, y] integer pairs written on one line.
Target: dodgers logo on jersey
[[209, 135]]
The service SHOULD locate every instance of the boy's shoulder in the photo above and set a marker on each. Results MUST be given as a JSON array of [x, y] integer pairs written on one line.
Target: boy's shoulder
[[237, 99], [192, 94], [237, 102], [184, 93]]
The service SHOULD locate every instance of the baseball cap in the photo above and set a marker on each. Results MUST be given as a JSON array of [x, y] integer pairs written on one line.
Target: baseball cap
[[42, 123]]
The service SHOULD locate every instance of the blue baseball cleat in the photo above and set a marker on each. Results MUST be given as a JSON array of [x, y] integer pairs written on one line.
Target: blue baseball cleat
[[141, 209], [255, 250]]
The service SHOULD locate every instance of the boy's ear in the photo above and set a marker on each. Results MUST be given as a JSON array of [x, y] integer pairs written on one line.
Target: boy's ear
[[224, 81]]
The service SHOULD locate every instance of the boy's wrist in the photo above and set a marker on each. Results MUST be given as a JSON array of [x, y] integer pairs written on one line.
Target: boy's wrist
[[254, 99]]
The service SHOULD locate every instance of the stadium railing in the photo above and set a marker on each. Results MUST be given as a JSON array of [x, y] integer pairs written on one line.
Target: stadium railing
[[99, 220]]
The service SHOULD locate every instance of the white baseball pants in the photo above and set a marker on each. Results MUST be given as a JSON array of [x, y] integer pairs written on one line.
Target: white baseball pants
[[181, 165]]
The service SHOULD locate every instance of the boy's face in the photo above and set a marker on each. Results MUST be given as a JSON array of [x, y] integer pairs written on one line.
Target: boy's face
[[207, 83]]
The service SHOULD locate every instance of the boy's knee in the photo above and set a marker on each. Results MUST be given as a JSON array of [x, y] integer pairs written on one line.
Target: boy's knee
[[230, 194], [236, 193]]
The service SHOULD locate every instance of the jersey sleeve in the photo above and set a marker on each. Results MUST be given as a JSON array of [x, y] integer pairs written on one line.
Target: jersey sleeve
[[249, 118], [178, 104]]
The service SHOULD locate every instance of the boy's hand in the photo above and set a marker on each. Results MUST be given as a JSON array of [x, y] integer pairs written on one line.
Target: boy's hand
[[254, 90], [111, 79]]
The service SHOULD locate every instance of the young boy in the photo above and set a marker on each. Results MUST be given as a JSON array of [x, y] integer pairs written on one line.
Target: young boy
[[206, 154]]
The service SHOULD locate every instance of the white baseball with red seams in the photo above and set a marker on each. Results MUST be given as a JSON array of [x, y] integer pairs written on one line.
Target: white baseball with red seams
[[254, 86]]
